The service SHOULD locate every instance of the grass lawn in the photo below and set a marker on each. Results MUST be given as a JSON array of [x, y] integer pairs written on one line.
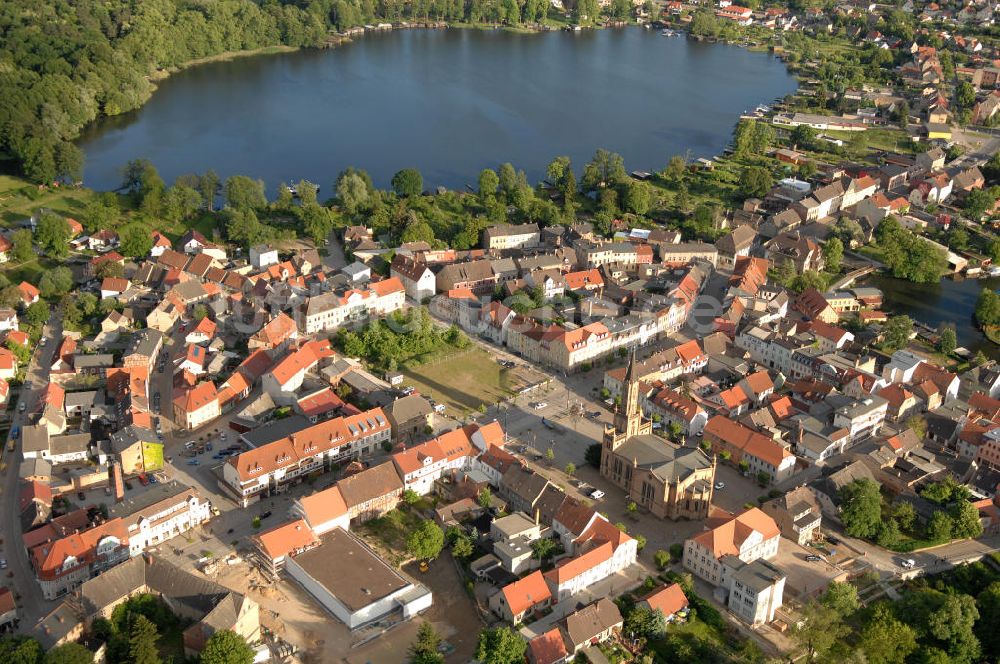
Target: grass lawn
[[390, 532], [15, 205], [463, 380]]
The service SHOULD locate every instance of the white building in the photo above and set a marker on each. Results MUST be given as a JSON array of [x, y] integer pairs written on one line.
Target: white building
[[161, 512], [354, 584], [746, 537], [262, 255], [330, 311], [756, 591]]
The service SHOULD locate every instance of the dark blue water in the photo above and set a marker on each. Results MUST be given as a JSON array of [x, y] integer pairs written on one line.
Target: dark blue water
[[449, 102]]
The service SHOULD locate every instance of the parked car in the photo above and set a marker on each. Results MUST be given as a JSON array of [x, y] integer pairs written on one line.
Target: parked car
[[538, 405], [596, 494], [222, 436], [81, 495], [909, 563], [832, 540], [208, 446], [813, 558], [3, 563], [189, 444], [21, 407], [193, 462], [720, 485], [266, 514]]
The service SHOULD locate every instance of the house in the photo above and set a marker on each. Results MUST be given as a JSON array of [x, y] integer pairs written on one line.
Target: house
[[217, 609], [509, 236], [420, 466], [137, 449], [602, 551], [762, 455], [476, 275], [202, 333], [548, 648], [161, 243], [756, 591], [330, 311], [736, 244], [263, 255], [323, 511], [417, 278], [668, 600], [802, 252], [410, 416], [103, 240], [29, 294], [196, 406], [797, 514], [748, 536], [275, 546], [286, 377], [192, 241], [515, 601], [814, 305], [593, 624], [276, 335], [8, 320]]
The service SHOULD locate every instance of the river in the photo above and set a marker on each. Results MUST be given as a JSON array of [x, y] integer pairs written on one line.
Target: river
[[949, 301], [448, 102]]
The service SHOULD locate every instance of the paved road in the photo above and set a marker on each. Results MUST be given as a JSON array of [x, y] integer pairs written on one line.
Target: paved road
[[19, 575], [334, 259]]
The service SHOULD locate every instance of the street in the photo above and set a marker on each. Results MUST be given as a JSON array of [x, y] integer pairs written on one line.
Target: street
[[19, 575]]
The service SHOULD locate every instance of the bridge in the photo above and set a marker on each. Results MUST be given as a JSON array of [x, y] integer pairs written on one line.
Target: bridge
[[851, 277]]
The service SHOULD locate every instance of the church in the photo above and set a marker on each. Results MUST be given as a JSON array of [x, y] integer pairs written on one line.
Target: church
[[671, 482]]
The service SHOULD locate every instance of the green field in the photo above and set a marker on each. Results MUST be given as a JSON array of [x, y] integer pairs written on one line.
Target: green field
[[464, 380]]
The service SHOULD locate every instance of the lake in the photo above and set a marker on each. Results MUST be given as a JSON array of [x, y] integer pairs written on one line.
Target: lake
[[949, 301], [448, 102]]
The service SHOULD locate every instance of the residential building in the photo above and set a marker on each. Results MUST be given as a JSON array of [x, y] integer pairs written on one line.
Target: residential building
[[748, 536], [331, 311]]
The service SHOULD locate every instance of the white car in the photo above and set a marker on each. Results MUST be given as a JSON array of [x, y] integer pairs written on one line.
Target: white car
[[3, 563], [720, 485], [21, 408], [909, 563], [596, 494], [189, 445], [539, 405]]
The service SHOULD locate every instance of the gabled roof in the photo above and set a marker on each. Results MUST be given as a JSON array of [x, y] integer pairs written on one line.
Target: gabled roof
[[287, 538], [669, 599], [526, 593], [728, 537]]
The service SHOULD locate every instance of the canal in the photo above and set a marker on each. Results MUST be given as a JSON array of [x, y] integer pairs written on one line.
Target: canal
[[950, 301]]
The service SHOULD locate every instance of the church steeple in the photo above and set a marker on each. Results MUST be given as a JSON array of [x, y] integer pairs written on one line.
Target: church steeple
[[628, 419]]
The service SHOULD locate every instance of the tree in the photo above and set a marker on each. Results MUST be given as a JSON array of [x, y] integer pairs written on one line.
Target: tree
[[243, 193], [886, 640], [809, 279], [861, 508], [56, 282], [227, 647], [20, 650], [37, 313], [542, 548], [353, 192], [142, 638], [833, 254], [593, 455], [756, 181], [637, 197], [53, 234], [896, 333], [426, 542], [965, 520], [410, 497], [136, 240], [316, 221], [208, 187], [988, 604], [109, 269], [462, 547], [904, 514], [948, 341], [676, 167], [939, 527], [661, 559], [988, 308], [570, 469], [500, 645], [425, 649], [408, 182], [69, 653], [485, 498], [804, 136], [965, 95], [644, 623], [841, 597], [23, 249], [978, 202], [180, 202], [821, 628]]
